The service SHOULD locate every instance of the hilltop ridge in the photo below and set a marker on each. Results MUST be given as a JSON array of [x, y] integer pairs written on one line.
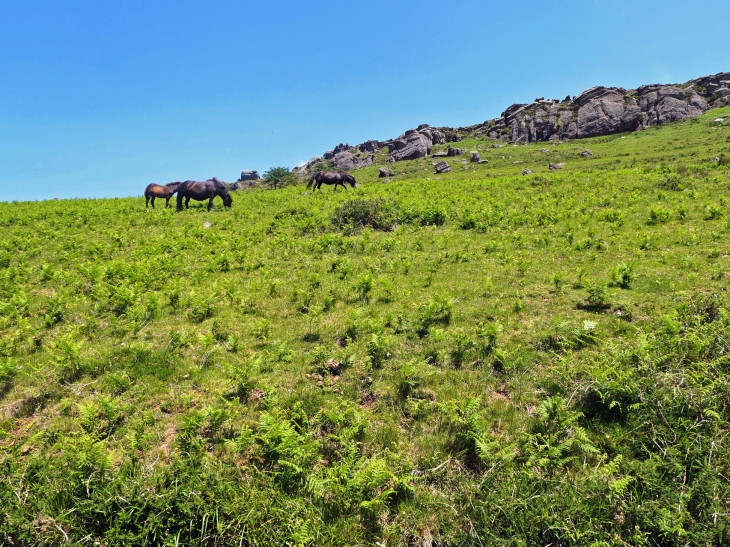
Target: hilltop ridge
[[595, 112]]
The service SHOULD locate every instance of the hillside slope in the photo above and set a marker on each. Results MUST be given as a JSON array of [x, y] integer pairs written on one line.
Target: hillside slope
[[469, 358]]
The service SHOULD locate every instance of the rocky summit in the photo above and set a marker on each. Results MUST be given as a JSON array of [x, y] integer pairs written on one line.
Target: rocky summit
[[595, 112]]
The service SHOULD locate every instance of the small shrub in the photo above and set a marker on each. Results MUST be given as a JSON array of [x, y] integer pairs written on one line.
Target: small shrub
[[623, 276], [658, 215], [713, 212], [354, 215], [597, 295], [437, 310]]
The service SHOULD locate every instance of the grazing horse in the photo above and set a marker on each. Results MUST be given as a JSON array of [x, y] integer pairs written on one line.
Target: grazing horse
[[200, 191], [331, 177], [156, 191]]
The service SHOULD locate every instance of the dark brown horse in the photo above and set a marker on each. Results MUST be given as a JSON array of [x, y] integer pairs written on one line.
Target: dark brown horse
[[156, 191], [200, 191], [331, 177]]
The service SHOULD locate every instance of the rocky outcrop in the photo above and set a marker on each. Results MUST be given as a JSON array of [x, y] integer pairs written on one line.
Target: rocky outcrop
[[412, 145], [664, 104], [369, 147], [594, 112], [455, 151], [345, 161], [607, 110], [249, 175]]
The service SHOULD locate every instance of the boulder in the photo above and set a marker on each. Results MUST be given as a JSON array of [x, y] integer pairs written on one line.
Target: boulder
[[384, 172], [543, 150], [442, 167], [345, 161], [249, 175], [604, 111], [586, 153], [482, 162], [329, 154], [417, 145], [475, 157], [341, 148], [455, 151], [440, 155], [554, 166], [527, 172]]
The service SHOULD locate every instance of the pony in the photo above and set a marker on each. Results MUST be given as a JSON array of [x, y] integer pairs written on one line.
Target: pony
[[200, 191], [331, 177], [156, 191]]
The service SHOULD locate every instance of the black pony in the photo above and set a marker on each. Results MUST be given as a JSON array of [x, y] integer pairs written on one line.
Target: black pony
[[331, 177], [200, 191]]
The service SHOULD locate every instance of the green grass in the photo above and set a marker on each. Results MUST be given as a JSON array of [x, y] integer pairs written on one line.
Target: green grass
[[470, 358]]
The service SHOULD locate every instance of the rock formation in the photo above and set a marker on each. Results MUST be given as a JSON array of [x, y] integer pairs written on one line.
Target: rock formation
[[594, 112], [249, 175]]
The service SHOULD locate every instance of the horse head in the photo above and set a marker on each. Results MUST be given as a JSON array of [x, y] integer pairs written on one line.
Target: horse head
[[351, 180], [227, 199]]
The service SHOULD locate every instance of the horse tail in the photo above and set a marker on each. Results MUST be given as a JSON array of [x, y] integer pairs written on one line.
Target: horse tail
[[311, 179]]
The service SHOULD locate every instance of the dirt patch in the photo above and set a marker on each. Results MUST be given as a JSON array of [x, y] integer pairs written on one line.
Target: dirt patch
[[368, 399], [501, 393], [170, 434]]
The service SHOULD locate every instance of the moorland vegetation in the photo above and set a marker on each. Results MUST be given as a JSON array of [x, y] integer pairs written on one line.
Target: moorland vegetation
[[471, 358]]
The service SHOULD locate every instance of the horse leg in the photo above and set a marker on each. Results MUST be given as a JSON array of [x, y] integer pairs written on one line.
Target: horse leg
[[146, 202], [210, 202], [187, 202], [167, 202]]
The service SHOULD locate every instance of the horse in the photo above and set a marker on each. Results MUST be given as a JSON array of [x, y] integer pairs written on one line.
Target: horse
[[200, 191], [331, 177], [156, 191]]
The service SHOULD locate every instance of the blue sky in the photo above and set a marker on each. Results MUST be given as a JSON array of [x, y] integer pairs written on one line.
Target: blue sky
[[98, 99]]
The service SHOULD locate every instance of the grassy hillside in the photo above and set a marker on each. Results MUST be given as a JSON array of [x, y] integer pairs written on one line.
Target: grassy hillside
[[473, 358]]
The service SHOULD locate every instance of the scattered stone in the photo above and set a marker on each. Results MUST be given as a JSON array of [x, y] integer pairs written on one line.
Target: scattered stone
[[516, 162], [716, 160], [455, 151], [543, 150], [576, 148], [384, 172], [440, 155], [496, 146], [527, 172], [390, 160], [475, 157], [442, 167], [719, 120], [482, 162], [553, 166], [207, 225], [464, 161], [586, 153]]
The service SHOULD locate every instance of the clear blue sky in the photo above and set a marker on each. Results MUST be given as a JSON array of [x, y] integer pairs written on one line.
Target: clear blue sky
[[98, 99]]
